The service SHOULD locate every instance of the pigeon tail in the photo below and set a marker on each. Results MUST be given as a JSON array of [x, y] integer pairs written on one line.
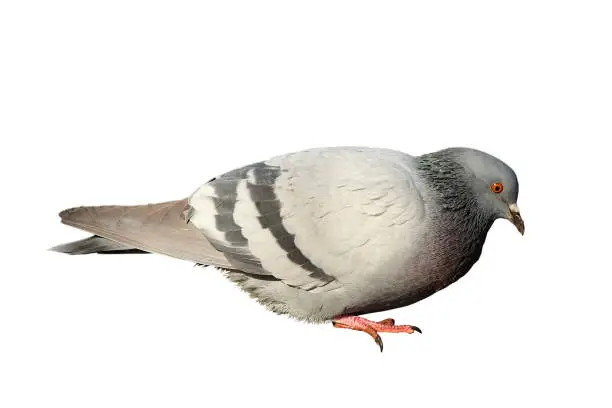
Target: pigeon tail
[[156, 228], [96, 245]]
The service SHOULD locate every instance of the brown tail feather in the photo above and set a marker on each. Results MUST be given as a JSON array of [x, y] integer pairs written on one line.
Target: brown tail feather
[[159, 228]]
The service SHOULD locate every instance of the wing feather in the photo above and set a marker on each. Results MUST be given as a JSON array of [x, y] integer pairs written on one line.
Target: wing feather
[[305, 218]]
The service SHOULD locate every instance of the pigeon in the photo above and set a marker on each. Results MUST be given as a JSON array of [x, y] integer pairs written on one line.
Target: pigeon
[[326, 234]]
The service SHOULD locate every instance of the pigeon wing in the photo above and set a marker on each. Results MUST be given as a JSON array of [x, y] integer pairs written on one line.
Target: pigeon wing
[[311, 218]]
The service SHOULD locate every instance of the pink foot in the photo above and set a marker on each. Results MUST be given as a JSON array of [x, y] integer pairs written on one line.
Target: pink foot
[[372, 328], [387, 322]]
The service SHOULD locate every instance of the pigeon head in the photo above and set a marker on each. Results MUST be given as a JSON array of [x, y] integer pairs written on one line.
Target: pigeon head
[[495, 184], [459, 174]]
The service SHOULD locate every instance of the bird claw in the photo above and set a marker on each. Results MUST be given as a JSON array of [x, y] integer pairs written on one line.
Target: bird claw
[[416, 329], [379, 341], [372, 328]]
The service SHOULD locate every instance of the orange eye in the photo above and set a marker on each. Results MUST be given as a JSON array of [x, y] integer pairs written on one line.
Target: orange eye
[[497, 188]]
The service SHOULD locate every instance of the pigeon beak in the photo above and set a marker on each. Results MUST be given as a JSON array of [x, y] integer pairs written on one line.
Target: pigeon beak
[[516, 219]]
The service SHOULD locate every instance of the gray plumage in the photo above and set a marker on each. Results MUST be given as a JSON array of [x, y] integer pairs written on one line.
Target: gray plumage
[[96, 245], [324, 233]]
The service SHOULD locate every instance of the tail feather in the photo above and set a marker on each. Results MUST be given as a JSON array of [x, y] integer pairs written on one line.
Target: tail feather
[[96, 245], [156, 228]]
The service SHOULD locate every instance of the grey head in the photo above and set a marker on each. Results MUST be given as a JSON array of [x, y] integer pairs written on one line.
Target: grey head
[[467, 177]]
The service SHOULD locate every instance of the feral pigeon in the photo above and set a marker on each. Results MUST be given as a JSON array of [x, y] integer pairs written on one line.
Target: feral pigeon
[[325, 234]]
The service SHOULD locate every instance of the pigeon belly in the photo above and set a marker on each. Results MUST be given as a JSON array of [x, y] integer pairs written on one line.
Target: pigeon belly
[[390, 286], [445, 257]]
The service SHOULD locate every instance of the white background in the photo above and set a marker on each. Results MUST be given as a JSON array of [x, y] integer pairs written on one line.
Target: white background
[[125, 102]]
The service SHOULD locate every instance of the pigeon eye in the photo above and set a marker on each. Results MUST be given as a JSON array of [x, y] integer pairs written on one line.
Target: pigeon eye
[[497, 188]]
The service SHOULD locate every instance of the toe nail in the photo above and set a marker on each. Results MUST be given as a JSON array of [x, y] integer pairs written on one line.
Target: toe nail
[[416, 329], [378, 341]]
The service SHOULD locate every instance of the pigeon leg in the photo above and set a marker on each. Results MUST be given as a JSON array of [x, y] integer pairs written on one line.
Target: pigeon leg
[[356, 323], [372, 328]]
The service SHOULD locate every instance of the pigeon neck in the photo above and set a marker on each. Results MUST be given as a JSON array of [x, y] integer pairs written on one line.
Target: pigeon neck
[[450, 187]]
